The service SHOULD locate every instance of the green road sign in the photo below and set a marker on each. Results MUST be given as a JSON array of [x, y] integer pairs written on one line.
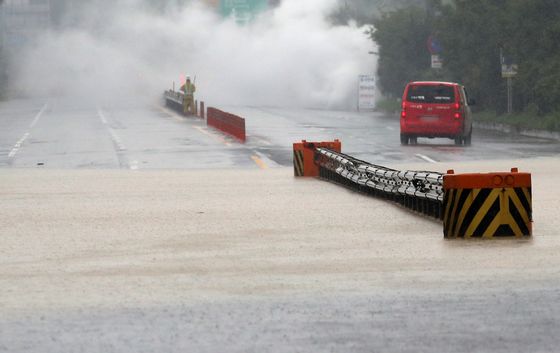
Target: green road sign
[[242, 10]]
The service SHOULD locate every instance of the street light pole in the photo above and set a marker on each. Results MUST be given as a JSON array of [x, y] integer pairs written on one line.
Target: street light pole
[[510, 95]]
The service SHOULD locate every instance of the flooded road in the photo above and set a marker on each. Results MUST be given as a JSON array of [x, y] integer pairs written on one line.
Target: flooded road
[[255, 260], [128, 228]]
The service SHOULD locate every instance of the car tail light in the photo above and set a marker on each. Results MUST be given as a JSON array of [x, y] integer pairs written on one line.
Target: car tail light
[[457, 107], [403, 111]]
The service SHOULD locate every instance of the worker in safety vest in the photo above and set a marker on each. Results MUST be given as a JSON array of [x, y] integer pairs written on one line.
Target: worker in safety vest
[[188, 102]]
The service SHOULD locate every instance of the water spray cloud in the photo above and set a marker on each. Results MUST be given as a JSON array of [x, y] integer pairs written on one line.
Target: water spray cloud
[[289, 56]]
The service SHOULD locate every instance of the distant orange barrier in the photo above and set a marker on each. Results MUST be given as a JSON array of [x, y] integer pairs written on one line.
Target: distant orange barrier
[[304, 157], [229, 123], [487, 205]]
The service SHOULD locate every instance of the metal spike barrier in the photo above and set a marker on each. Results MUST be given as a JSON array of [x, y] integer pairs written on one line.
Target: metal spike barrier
[[419, 191]]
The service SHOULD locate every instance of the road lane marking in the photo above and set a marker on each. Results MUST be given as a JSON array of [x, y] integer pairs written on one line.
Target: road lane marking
[[34, 122], [134, 165], [259, 162], [17, 146], [199, 128], [215, 137], [426, 158], [171, 113], [25, 136], [116, 139], [117, 143], [102, 117]]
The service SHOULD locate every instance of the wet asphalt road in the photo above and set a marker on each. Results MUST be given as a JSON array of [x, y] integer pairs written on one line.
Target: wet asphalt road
[[126, 228], [352, 323], [62, 133]]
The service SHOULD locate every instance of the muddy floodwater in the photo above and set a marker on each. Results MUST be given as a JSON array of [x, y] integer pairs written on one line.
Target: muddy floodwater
[[258, 261]]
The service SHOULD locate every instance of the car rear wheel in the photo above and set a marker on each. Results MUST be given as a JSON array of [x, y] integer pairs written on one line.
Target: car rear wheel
[[458, 140], [413, 140], [468, 138], [404, 139]]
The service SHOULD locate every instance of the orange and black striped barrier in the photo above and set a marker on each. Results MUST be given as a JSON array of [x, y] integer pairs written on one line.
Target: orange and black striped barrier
[[487, 205], [304, 157]]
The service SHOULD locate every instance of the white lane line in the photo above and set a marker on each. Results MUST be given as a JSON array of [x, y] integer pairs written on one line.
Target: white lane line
[[134, 165], [34, 122], [102, 117], [25, 136], [116, 139], [426, 158], [17, 146]]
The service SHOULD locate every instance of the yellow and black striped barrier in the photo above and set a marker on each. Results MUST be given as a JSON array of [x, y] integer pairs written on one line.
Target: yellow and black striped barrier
[[487, 205], [298, 163]]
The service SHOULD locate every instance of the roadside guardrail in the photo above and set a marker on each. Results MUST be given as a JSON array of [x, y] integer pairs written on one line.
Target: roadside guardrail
[[174, 100], [470, 205]]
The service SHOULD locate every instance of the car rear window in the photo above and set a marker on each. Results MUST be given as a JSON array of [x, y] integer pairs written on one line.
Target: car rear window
[[430, 94]]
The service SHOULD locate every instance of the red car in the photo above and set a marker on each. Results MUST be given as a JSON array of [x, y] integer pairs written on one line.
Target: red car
[[436, 109]]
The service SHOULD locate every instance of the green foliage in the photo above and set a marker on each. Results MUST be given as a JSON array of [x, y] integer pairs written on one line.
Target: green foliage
[[473, 34], [389, 105], [523, 120], [401, 37]]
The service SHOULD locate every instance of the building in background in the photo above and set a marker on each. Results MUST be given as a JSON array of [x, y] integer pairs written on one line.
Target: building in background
[[242, 10], [22, 20]]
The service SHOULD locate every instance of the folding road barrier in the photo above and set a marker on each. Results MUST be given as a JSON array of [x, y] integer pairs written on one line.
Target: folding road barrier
[[470, 205]]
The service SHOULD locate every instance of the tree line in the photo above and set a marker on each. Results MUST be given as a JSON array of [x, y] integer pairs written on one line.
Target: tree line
[[475, 37]]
